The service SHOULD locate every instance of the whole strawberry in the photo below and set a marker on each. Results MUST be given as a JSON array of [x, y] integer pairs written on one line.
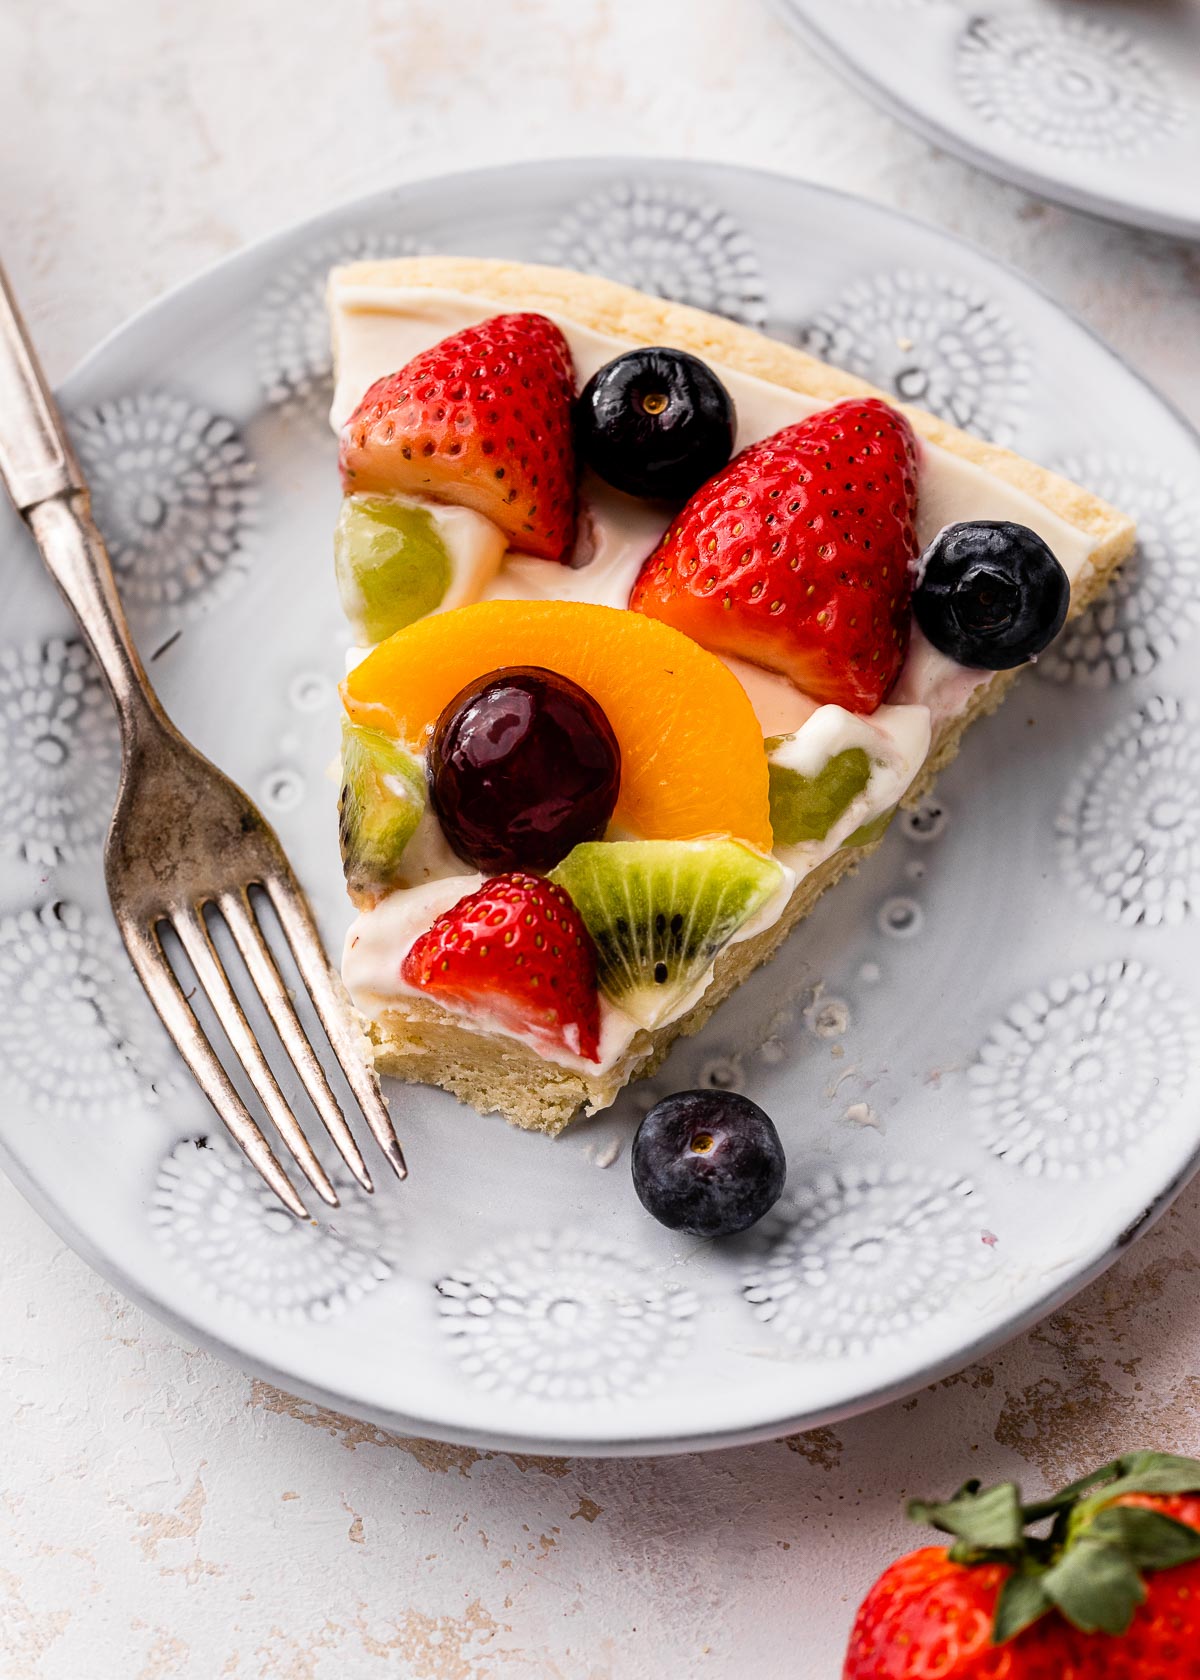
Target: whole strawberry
[[481, 419], [515, 950], [796, 555], [1111, 1590], [929, 1615]]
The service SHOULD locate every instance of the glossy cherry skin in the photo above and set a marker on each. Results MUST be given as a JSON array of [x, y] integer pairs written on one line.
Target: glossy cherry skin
[[523, 765]]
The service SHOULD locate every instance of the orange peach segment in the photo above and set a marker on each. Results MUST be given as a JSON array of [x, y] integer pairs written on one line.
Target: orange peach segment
[[692, 755]]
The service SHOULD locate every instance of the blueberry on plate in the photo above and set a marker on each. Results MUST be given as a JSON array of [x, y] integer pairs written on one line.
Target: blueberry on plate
[[990, 594], [707, 1162], [655, 423]]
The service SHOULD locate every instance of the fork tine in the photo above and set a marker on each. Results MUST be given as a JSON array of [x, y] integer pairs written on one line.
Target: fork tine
[[296, 919], [166, 994], [201, 953], [256, 954]]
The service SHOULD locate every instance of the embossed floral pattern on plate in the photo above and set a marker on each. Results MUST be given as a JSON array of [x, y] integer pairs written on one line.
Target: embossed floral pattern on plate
[[861, 1256], [929, 340], [174, 495], [1081, 1069], [1129, 828], [77, 1039], [564, 1315], [58, 751], [217, 1220], [1153, 605], [1067, 82], [676, 244]]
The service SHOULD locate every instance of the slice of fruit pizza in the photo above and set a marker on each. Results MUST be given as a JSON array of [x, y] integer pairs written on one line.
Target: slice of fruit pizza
[[658, 620]]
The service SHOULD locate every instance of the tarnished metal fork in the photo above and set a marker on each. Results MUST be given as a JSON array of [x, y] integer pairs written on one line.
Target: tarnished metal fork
[[185, 843]]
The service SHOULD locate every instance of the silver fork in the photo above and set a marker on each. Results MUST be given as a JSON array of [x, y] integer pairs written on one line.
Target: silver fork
[[184, 839]]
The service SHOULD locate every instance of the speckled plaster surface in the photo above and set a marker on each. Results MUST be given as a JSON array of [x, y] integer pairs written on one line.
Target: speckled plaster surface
[[163, 1516]]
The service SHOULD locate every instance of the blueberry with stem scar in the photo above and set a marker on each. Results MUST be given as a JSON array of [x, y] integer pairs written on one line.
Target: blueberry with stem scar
[[708, 1163], [990, 594]]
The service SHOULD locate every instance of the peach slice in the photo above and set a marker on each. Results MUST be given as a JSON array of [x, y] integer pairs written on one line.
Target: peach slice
[[692, 756]]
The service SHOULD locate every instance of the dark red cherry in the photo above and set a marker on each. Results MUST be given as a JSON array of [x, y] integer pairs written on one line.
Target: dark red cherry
[[523, 765]]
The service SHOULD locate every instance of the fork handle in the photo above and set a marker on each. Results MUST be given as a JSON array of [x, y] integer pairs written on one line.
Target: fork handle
[[44, 479]]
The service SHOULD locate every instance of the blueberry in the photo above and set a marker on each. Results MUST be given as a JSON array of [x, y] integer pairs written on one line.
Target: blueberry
[[655, 423], [991, 594], [708, 1163]]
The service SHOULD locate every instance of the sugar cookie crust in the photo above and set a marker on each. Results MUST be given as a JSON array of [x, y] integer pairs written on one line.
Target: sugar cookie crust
[[418, 1041]]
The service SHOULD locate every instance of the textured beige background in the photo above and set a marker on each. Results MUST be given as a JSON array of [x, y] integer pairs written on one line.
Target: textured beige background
[[161, 1515]]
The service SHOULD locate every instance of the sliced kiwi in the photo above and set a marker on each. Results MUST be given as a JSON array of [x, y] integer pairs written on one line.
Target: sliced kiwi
[[660, 911], [383, 796], [392, 565], [806, 807]]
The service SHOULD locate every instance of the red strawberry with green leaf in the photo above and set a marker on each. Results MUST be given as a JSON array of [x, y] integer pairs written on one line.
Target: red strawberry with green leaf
[[796, 555], [516, 950], [1110, 1592], [483, 420]]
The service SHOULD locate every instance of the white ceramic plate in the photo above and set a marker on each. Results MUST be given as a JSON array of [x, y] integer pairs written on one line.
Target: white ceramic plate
[[982, 1052], [1094, 103]]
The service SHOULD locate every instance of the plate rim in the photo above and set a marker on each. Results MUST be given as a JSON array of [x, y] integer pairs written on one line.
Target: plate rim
[[536, 1440], [588, 1446], [1118, 212]]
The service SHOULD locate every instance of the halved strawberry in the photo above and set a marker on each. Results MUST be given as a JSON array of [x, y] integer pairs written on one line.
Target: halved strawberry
[[516, 951], [796, 555], [483, 420]]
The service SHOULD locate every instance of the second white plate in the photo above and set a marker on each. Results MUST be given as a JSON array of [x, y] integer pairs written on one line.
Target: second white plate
[[1094, 105]]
